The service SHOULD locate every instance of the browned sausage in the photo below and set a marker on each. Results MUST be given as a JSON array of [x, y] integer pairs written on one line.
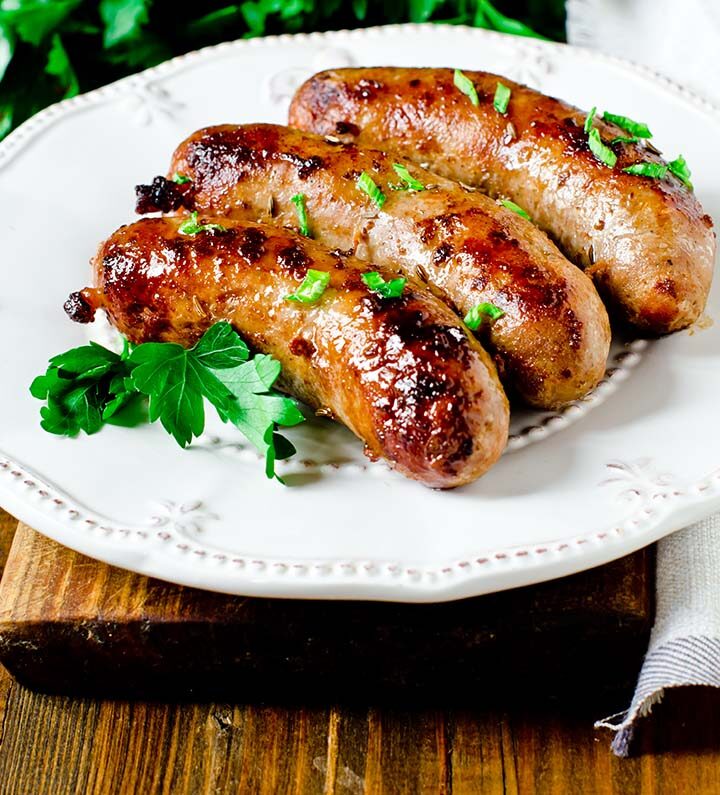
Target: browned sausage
[[551, 345], [647, 243], [403, 373]]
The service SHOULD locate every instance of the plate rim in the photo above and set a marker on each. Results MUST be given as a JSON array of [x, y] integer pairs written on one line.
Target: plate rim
[[384, 580]]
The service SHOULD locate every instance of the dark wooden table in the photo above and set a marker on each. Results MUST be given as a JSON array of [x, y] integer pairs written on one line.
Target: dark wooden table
[[52, 745]]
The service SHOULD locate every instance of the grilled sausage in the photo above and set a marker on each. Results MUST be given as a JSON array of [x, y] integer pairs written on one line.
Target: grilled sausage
[[552, 343], [403, 373], [647, 243]]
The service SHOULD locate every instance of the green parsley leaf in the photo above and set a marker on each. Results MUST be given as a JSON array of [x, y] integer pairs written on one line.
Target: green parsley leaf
[[257, 410], [410, 182], [77, 386], [589, 120], [299, 200], [480, 313], [635, 128], [680, 169], [502, 98], [165, 372], [465, 84], [35, 21], [487, 16], [621, 139], [602, 153], [181, 179], [516, 208], [221, 347], [312, 287], [88, 386], [89, 361], [58, 65], [128, 410], [360, 9], [392, 289], [654, 170], [192, 227], [7, 48], [123, 19], [367, 185]]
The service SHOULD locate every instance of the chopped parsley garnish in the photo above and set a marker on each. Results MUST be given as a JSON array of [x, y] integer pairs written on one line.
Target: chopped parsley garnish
[[410, 182], [602, 153], [192, 227], [680, 169], [636, 128], [516, 208], [465, 84], [621, 139], [677, 167], [300, 207], [654, 170], [366, 184], [181, 179], [392, 289], [311, 288], [87, 387], [589, 120], [502, 98], [481, 313]]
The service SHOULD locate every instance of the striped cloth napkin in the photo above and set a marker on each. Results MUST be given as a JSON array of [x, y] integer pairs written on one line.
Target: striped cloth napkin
[[680, 40]]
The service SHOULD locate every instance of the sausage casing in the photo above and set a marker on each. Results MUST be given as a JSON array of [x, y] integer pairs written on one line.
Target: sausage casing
[[552, 343], [646, 242], [403, 373]]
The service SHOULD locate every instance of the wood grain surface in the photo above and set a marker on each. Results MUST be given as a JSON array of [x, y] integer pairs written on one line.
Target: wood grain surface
[[72, 625], [52, 745]]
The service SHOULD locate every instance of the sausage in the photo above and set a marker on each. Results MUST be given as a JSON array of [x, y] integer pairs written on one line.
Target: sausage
[[402, 373], [551, 345], [647, 243]]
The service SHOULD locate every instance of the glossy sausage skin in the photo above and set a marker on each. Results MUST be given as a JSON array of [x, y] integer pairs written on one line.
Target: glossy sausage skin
[[647, 243], [551, 346], [403, 374]]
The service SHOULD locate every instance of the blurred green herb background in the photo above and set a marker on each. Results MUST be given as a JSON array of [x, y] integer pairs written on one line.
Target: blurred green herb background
[[53, 49]]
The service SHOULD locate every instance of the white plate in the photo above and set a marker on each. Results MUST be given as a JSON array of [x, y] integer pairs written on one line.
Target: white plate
[[636, 460]]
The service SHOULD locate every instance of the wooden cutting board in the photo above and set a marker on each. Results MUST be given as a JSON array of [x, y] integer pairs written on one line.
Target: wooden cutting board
[[72, 625]]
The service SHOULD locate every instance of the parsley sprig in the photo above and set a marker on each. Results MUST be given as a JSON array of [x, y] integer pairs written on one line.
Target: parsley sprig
[[311, 288], [392, 289], [192, 227], [501, 100], [637, 129], [654, 170], [87, 387], [602, 152], [516, 208], [367, 185], [299, 200], [678, 167], [466, 85], [408, 181], [482, 313]]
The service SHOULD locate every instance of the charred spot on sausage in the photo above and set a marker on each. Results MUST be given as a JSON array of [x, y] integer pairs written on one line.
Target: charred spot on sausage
[[666, 287], [442, 253], [293, 259], [299, 346], [251, 245], [346, 128], [79, 309], [162, 195]]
